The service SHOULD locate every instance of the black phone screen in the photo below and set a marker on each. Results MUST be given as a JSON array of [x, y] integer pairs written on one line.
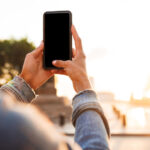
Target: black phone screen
[[57, 37]]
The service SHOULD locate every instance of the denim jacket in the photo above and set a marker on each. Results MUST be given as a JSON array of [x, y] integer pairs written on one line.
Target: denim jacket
[[91, 127]]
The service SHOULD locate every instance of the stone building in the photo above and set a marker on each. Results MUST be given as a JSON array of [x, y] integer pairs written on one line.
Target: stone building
[[56, 108]]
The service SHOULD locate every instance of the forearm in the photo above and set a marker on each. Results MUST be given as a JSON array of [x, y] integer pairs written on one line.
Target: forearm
[[18, 89], [92, 130]]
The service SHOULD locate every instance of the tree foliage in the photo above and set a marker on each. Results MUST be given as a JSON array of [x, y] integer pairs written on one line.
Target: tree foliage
[[12, 54]]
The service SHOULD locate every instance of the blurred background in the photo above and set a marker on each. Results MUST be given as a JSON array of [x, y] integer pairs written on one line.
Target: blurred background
[[116, 40]]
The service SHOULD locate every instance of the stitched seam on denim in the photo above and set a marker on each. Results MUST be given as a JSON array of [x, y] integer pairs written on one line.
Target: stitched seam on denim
[[84, 102], [5, 90], [28, 97], [15, 92], [87, 104], [28, 86], [83, 92]]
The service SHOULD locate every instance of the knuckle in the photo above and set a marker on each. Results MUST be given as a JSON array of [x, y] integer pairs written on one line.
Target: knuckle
[[83, 56], [60, 63], [28, 55], [57, 62], [68, 63]]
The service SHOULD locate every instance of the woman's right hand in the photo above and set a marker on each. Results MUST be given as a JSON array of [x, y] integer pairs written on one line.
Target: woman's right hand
[[75, 69]]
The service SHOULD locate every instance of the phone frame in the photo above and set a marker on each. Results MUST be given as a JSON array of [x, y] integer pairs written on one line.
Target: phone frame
[[70, 36]]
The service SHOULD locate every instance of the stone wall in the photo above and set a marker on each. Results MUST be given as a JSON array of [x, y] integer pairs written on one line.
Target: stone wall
[[53, 106]]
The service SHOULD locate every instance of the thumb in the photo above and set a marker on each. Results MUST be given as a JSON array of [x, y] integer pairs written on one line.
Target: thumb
[[61, 63]]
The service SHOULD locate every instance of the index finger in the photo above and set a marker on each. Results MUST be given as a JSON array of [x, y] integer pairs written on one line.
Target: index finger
[[38, 50], [78, 43]]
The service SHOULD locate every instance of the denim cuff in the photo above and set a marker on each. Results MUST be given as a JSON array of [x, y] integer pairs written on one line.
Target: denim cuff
[[87, 100], [18, 87]]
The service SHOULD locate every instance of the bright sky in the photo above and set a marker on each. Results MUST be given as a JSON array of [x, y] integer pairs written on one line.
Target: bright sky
[[115, 36]]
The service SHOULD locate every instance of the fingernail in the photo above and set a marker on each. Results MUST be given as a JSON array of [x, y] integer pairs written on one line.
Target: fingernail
[[54, 62]]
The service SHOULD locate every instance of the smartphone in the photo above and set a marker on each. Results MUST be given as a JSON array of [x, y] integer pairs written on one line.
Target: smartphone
[[57, 37]]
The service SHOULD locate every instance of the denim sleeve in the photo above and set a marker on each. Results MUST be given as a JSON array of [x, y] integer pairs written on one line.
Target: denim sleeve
[[19, 89], [91, 127]]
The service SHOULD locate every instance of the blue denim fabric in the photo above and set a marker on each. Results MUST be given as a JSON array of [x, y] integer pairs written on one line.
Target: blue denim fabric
[[20, 89], [92, 130]]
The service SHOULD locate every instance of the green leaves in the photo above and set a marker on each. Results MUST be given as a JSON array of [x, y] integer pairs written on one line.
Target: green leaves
[[12, 54]]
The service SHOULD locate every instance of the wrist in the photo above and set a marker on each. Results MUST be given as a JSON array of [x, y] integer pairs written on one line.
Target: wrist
[[82, 84], [28, 81]]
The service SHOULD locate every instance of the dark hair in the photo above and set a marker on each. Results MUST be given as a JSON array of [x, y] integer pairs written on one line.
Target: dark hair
[[23, 127]]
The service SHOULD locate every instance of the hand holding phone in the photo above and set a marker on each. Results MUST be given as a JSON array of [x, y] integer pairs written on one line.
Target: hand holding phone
[[57, 37], [75, 69]]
